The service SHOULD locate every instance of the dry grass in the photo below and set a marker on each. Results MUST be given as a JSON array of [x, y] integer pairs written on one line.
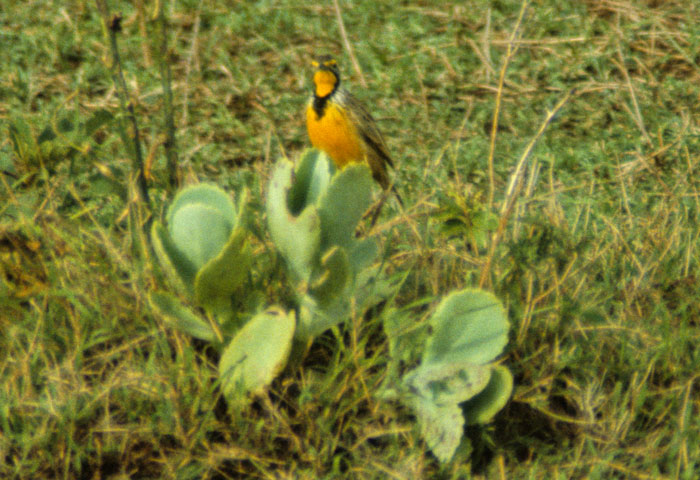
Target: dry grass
[[596, 260]]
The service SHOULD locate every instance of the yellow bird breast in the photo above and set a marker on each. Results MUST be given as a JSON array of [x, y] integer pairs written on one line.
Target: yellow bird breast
[[335, 134]]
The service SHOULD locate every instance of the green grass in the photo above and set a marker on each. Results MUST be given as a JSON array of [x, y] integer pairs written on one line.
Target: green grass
[[597, 264]]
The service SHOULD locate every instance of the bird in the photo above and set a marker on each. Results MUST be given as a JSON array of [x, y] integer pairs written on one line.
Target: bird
[[339, 125]]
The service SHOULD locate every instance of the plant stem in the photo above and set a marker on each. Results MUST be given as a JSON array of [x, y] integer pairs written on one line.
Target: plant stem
[[111, 26], [166, 80]]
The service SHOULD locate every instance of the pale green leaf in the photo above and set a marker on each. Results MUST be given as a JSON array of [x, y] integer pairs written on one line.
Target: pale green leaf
[[469, 326], [223, 274], [204, 194], [295, 236], [483, 407], [199, 232], [257, 353], [176, 266], [175, 314], [342, 205], [441, 426], [334, 277], [446, 383], [362, 253], [311, 178], [315, 318]]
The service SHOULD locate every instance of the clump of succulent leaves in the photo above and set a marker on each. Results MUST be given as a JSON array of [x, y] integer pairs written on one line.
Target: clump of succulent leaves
[[313, 212], [204, 252], [456, 380]]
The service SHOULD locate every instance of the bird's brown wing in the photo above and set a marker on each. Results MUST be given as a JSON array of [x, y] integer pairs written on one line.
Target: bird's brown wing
[[377, 152]]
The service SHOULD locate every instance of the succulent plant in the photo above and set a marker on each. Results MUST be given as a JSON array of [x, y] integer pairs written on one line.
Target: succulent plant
[[204, 252], [456, 381], [312, 214]]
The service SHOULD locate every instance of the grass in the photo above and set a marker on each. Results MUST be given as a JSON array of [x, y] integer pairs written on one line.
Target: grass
[[597, 262]]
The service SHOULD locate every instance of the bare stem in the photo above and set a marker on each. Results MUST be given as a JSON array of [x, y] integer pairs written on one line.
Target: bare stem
[[166, 80], [510, 51], [111, 26], [515, 186]]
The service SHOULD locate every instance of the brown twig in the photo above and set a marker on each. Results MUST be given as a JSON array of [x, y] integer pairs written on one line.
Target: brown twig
[[344, 36], [515, 186], [510, 51]]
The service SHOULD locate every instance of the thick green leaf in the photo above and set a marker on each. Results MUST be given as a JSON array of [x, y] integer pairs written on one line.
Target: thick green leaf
[[441, 426], [334, 278], [362, 253], [483, 407], [315, 318], [298, 190], [447, 383], [177, 267], [223, 274], [208, 195], [469, 326], [256, 354], [180, 317], [296, 237], [311, 178], [342, 205], [199, 232], [321, 176]]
